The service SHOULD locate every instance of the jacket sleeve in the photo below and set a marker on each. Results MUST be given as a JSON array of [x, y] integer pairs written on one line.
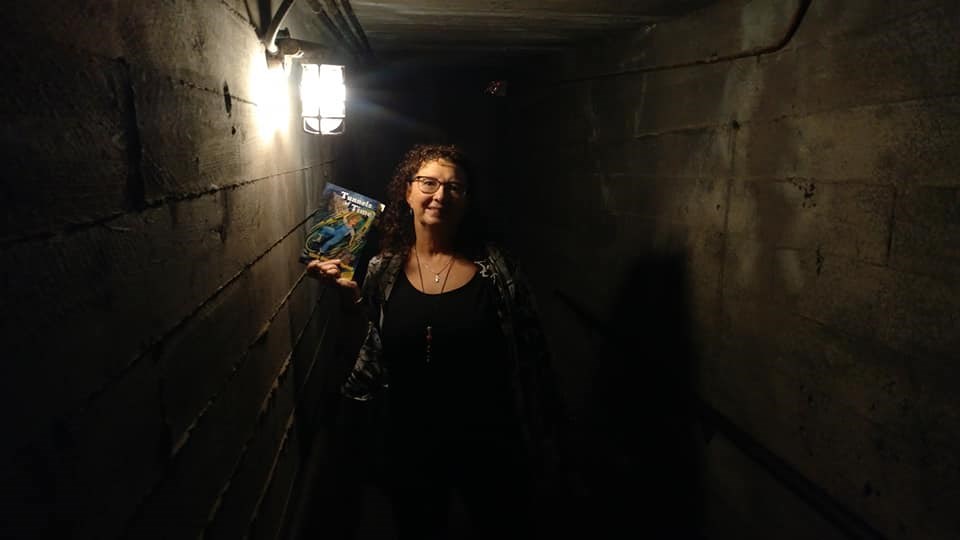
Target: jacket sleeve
[[545, 410], [536, 362], [367, 377]]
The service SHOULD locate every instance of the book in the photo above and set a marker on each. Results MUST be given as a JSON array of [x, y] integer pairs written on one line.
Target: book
[[338, 228]]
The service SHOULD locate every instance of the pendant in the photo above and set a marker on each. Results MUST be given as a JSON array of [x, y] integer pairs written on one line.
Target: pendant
[[436, 278], [429, 339]]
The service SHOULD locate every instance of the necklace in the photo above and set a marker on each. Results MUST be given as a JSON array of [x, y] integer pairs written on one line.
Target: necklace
[[436, 275], [429, 330]]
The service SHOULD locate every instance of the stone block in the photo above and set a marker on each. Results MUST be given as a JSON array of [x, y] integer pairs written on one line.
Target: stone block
[[205, 145], [273, 508], [902, 60], [705, 153], [905, 58], [846, 421], [302, 306], [717, 31], [205, 44], [106, 484], [201, 356], [926, 232], [901, 144], [180, 505], [697, 203], [314, 333], [755, 504], [245, 489], [84, 473], [88, 26], [908, 313], [696, 97], [65, 141], [109, 294], [850, 220], [328, 363], [838, 19]]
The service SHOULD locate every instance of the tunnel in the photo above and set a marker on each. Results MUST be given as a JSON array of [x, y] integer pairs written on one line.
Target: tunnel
[[739, 219]]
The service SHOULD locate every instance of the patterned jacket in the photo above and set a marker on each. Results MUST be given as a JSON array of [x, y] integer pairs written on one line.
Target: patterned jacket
[[532, 380]]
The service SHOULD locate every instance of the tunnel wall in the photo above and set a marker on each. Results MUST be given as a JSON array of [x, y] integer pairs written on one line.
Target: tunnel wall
[[796, 195], [163, 361]]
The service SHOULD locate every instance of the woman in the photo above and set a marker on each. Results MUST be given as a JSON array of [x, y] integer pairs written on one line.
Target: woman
[[453, 340]]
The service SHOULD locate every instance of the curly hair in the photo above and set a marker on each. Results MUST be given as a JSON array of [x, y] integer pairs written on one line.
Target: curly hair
[[396, 225]]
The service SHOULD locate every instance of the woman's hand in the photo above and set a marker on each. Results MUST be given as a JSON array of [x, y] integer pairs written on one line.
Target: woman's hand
[[329, 271]]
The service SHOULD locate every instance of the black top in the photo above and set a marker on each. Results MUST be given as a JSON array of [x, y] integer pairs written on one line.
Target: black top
[[464, 387]]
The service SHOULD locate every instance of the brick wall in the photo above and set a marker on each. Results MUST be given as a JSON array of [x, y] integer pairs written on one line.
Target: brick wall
[[796, 195], [163, 359]]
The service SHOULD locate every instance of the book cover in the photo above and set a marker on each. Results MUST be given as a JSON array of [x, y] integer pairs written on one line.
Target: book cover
[[338, 228]]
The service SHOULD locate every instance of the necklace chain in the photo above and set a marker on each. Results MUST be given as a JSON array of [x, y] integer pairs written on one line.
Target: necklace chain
[[436, 274], [429, 329]]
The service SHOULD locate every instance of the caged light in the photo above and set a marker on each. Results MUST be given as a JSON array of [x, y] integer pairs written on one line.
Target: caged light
[[322, 90], [323, 99]]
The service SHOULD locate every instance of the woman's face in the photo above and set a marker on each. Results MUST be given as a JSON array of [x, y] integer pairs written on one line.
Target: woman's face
[[446, 206]]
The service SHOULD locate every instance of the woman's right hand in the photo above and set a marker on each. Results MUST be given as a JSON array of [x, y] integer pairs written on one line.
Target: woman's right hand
[[329, 271]]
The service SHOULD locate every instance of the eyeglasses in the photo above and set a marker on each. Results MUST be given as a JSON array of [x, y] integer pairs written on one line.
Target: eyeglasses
[[429, 184]]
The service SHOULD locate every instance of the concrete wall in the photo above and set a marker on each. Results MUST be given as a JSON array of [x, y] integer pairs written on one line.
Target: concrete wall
[[162, 351], [791, 208]]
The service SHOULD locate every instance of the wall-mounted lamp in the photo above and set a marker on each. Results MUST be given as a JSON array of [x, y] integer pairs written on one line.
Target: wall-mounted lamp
[[322, 99], [286, 49], [322, 89]]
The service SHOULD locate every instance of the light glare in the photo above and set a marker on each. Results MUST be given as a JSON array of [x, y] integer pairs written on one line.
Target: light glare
[[272, 99]]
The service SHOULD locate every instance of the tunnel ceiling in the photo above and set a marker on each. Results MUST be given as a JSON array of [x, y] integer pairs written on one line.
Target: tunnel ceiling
[[507, 26]]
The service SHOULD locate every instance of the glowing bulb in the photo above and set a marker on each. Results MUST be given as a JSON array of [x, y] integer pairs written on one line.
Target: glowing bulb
[[310, 90], [323, 97], [329, 126]]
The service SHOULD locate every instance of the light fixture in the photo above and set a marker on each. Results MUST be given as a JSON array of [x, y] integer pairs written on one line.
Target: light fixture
[[322, 99], [322, 89]]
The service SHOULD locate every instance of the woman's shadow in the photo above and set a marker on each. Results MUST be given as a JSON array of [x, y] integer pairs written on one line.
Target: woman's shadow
[[636, 447]]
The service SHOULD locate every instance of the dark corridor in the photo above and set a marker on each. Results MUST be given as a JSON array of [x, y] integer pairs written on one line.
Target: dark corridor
[[739, 220]]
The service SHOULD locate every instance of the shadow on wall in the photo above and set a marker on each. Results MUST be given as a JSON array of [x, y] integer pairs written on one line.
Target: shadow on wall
[[635, 447]]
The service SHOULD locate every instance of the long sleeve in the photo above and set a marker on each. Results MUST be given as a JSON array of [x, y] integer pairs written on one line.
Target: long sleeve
[[543, 399], [539, 399], [368, 377]]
